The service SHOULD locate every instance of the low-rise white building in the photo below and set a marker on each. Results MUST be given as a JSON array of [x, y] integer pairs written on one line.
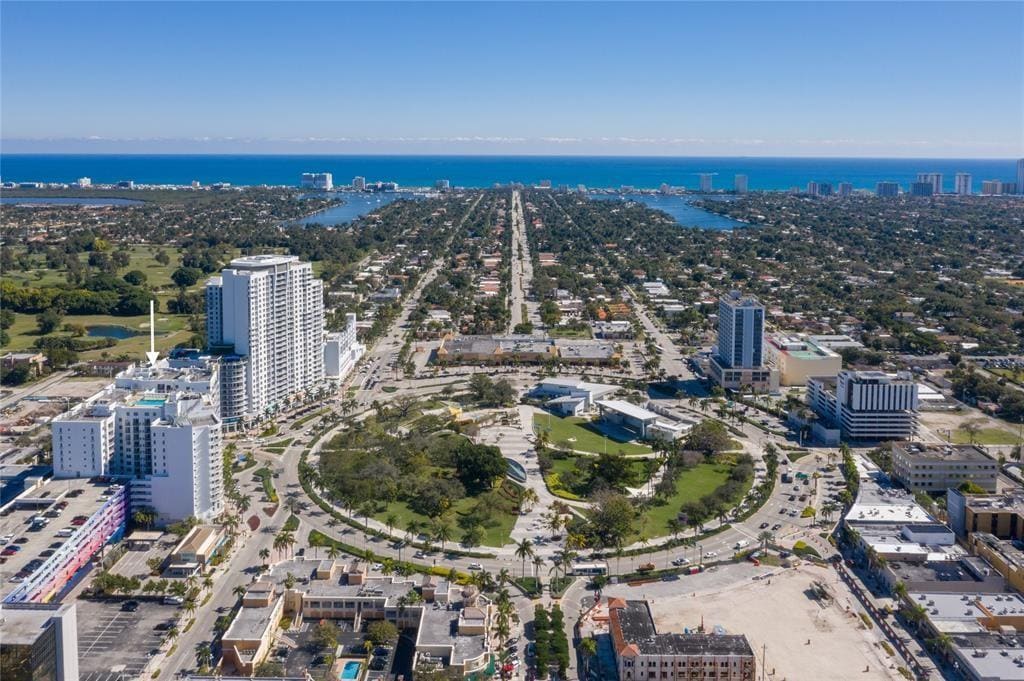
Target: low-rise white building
[[571, 396]]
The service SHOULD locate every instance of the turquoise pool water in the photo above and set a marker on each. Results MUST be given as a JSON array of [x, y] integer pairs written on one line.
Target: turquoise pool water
[[351, 670], [151, 402]]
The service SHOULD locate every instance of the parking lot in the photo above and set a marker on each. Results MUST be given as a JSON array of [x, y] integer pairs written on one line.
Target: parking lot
[[114, 644]]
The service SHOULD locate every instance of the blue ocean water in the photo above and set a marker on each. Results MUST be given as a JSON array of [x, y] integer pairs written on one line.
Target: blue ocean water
[[483, 171]]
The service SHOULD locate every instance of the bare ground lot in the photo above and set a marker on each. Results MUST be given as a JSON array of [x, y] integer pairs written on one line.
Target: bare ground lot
[[779, 615]]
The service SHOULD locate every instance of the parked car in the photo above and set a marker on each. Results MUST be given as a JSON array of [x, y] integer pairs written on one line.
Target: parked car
[[173, 600], [763, 526], [130, 606]]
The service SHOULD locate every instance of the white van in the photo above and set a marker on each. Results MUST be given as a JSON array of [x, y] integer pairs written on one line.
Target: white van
[[742, 543]]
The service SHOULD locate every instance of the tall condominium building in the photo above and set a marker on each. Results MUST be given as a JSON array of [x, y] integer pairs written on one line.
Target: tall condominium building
[[866, 405], [1020, 176], [159, 426], [845, 188], [992, 187], [812, 188], [706, 182], [321, 181], [740, 184], [922, 189], [739, 360], [887, 189], [359, 183], [643, 654], [964, 185], [443, 185], [934, 179], [266, 313]]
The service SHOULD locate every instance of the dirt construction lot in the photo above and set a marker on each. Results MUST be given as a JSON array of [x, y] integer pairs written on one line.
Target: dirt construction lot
[[780, 616]]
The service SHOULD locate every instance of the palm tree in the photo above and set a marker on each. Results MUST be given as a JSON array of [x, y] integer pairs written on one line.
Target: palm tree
[[588, 648], [538, 563], [204, 656], [504, 577], [391, 520], [333, 552], [264, 554], [239, 590], [765, 537], [524, 550], [899, 591], [443, 532]]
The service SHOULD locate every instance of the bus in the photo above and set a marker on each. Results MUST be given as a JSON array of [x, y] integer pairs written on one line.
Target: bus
[[589, 569]]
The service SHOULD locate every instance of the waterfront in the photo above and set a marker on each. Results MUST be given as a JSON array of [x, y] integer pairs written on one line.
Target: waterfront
[[355, 205], [679, 207], [66, 201], [484, 171]]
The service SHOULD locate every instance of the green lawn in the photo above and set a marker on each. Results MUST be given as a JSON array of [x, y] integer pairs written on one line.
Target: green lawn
[[987, 436], [170, 330], [699, 481], [585, 439], [560, 466], [559, 332], [494, 536], [1013, 375]]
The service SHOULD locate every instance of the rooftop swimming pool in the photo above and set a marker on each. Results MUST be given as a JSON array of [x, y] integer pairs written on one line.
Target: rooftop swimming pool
[[151, 402]]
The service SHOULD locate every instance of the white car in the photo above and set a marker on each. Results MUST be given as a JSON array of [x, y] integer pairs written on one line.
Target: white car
[[678, 562], [173, 600], [476, 566], [711, 554]]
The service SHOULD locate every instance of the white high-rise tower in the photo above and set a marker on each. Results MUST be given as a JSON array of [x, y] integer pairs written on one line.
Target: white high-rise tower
[[271, 312]]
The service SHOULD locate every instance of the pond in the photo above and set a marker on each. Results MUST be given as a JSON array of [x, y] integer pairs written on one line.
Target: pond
[[111, 331]]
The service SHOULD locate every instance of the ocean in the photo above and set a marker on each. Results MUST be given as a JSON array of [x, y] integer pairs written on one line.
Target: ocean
[[484, 171]]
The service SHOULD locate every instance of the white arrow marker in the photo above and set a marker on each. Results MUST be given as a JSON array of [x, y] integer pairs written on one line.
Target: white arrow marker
[[152, 354]]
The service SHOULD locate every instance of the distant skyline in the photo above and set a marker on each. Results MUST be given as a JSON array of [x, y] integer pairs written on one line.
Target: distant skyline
[[812, 79]]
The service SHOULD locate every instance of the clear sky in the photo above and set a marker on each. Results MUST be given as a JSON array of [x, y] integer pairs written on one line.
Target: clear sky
[[912, 79]]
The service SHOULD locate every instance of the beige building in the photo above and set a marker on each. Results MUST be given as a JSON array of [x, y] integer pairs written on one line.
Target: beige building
[[936, 468], [250, 638], [796, 359], [196, 549], [642, 654]]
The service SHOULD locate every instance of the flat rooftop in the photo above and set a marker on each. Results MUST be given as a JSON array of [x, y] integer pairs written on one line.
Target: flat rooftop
[[22, 624], [637, 627], [923, 451], [627, 409], [993, 503], [250, 623], [83, 499], [948, 572]]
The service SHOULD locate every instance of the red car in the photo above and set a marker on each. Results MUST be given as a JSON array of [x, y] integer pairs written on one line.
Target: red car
[[9, 551]]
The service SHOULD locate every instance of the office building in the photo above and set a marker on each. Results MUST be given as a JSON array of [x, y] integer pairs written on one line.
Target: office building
[[157, 427], [964, 185], [935, 468], [797, 359], [269, 310], [706, 182], [887, 189], [319, 181], [1001, 515], [934, 179], [39, 642], [644, 654], [739, 358], [740, 184], [342, 350], [845, 188], [359, 183], [921, 189], [865, 405]]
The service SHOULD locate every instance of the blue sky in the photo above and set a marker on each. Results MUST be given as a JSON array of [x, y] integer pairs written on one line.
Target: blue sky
[[913, 79]]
